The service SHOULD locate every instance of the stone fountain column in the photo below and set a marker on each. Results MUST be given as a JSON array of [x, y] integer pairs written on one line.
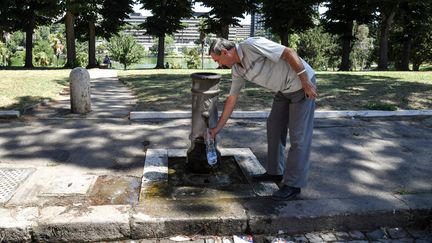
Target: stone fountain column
[[205, 91]]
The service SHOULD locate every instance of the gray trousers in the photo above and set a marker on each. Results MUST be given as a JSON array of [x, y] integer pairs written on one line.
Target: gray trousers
[[291, 112]]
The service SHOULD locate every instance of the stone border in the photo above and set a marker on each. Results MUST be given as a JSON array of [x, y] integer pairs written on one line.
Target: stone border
[[139, 115], [9, 114], [157, 219], [156, 169]]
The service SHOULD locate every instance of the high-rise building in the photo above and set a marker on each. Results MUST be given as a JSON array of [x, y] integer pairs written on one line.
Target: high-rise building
[[187, 37], [257, 24]]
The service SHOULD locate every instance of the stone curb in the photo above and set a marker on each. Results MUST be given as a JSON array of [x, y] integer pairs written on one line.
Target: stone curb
[[9, 114], [138, 115], [261, 216]]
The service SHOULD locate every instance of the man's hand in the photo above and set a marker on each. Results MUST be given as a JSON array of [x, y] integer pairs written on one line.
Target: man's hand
[[310, 90], [213, 132], [290, 55]]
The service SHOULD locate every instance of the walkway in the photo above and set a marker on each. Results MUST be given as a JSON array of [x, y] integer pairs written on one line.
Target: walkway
[[109, 97]]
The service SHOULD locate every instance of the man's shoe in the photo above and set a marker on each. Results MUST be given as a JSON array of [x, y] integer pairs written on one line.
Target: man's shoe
[[267, 177], [286, 193]]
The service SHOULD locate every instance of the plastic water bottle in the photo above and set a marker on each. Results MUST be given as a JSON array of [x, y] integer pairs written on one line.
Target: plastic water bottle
[[211, 150]]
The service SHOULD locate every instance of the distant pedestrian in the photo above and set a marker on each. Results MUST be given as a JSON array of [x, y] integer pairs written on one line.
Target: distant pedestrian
[[167, 65], [280, 69], [107, 61]]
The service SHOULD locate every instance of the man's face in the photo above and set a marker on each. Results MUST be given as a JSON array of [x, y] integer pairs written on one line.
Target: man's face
[[225, 59]]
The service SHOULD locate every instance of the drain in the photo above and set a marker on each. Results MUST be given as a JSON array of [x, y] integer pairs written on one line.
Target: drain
[[10, 179]]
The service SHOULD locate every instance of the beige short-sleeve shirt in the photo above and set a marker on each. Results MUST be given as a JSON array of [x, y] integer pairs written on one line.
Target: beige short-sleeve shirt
[[261, 63]]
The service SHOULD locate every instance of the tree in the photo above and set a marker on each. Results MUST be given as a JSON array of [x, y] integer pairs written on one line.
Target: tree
[[422, 47], [192, 58], [224, 14], [4, 54], [125, 49], [413, 20], [317, 47], [202, 39], [166, 19], [100, 18], [339, 19], [363, 46], [386, 10], [285, 17], [26, 16], [71, 7]]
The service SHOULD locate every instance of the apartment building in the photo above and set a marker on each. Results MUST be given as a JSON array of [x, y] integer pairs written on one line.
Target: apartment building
[[186, 37]]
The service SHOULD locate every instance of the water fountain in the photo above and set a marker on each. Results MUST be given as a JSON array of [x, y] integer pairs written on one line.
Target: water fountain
[[205, 91]]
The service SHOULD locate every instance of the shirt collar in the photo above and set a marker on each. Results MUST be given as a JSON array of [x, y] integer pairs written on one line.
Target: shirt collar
[[239, 51]]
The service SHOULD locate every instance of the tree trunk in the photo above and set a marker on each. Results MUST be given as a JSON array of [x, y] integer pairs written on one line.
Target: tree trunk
[[225, 32], [202, 54], [29, 45], [346, 47], [161, 52], [92, 46], [386, 22], [70, 40], [284, 38], [406, 52], [252, 27], [416, 66]]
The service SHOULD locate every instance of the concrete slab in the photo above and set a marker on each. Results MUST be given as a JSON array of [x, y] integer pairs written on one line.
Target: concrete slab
[[326, 214], [9, 114], [204, 217], [16, 224], [68, 184], [82, 224]]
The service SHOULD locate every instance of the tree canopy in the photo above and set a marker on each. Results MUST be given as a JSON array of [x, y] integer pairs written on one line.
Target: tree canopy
[[26, 16], [224, 14], [340, 18], [166, 19], [285, 17]]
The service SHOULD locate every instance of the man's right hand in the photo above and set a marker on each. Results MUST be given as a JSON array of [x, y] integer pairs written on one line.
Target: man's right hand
[[213, 132]]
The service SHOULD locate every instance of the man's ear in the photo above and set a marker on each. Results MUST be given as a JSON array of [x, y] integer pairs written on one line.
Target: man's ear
[[224, 51]]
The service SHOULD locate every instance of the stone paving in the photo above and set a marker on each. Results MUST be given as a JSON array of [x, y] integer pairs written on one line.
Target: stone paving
[[383, 235], [383, 169]]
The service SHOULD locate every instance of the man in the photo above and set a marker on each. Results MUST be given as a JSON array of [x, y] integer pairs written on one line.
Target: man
[[107, 61], [280, 69]]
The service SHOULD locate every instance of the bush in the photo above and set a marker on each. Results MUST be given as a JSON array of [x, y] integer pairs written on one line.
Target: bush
[[17, 59], [192, 58], [42, 59], [82, 59], [318, 48], [381, 106], [43, 53], [124, 49]]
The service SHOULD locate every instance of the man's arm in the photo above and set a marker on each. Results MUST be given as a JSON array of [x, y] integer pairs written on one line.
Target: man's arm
[[229, 105], [294, 61]]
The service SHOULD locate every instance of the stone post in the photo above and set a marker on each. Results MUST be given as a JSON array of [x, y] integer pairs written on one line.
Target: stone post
[[79, 83]]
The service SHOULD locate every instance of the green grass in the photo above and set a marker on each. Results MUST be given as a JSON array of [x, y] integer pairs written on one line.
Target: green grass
[[20, 89], [375, 90], [159, 90], [170, 89]]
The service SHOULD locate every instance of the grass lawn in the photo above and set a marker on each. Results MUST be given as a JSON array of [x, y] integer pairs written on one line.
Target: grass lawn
[[20, 89], [159, 90]]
